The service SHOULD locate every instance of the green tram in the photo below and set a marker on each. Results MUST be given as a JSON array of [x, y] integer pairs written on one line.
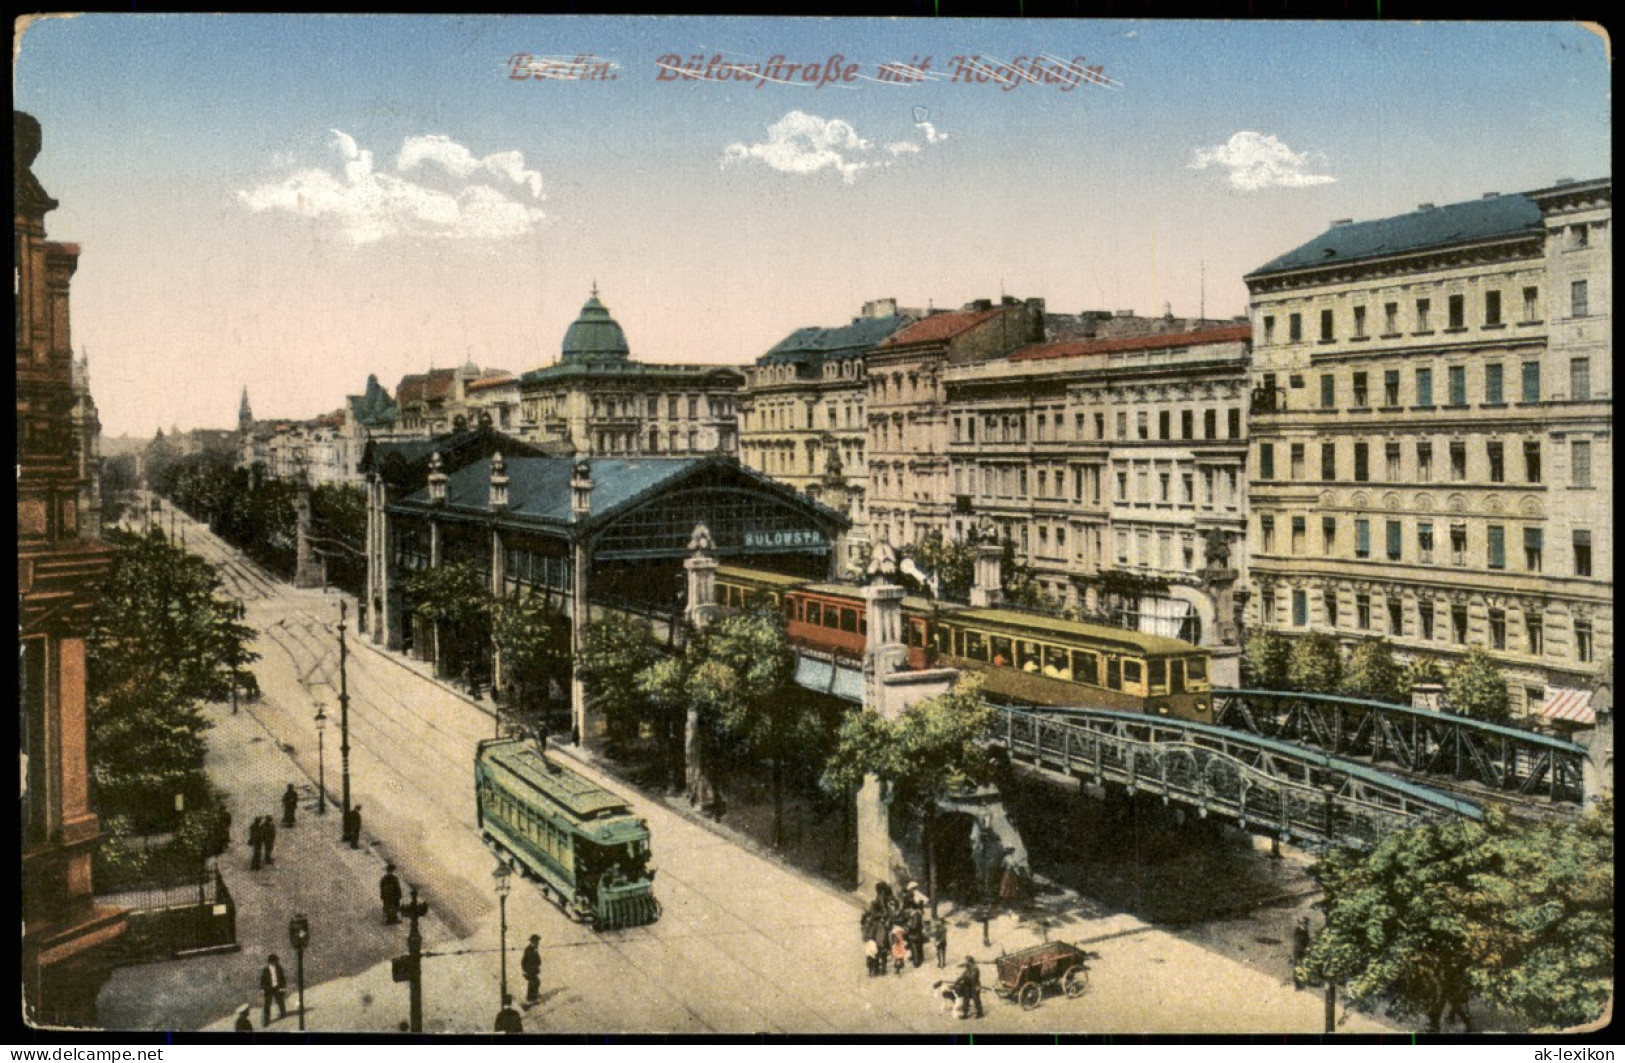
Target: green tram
[[579, 841]]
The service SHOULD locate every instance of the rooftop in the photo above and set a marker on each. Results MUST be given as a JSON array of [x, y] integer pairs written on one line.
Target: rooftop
[[1158, 341], [810, 346], [944, 326]]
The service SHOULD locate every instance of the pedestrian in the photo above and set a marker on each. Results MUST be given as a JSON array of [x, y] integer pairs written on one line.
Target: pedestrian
[[389, 892], [256, 840], [222, 832], [243, 1024], [290, 805], [970, 989], [530, 965], [273, 986], [352, 827], [939, 937], [916, 936], [871, 957], [508, 1020], [268, 832], [1300, 949], [899, 948]]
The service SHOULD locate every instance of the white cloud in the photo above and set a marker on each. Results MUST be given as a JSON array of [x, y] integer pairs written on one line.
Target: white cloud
[[903, 147], [369, 205], [802, 143], [1257, 161]]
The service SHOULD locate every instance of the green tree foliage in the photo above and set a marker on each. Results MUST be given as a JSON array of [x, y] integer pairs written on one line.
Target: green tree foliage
[[338, 519], [534, 639], [1373, 674], [615, 651], [1477, 689], [1020, 585], [1316, 667], [255, 513], [455, 594], [952, 562], [1268, 661], [1423, 669]]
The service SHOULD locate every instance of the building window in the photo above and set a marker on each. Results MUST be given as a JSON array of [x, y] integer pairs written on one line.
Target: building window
[[1579, 300], [1122, 487], [1297, 461], [1534, 633], [1395, 533], [1362, 538], [1362, 612], [1269, 328], [1359, 322], [1458, 385], [1326, 328], [1423, 306], [1122, 425], [1390, 387], [1328, 461], [1498, 629], [1493, 394], [1424, 542], [1390, 318], [1531, 381], [1533, 548], [1579, 378], [1396, 617], [1492, 308], [1100, 426], [1359, 391], [1458, 544], [1580, 463], [1162, 483], [1300, 608], [1582, 552], [1294, 328], [1266, 461], [1328, 391], [1234, 423], [1424, 618], [1531, 304], [1187, 483], [1458, 624], [1531, 461], [1187, 424], [1584, 649], [1458, 460], [1391, 456], [1497, 546], [1163, 421], [1362, 463], [1328, 606], [1498, 471], [1266, 534], [1299, 535], [1456, 308], [1143, 424]]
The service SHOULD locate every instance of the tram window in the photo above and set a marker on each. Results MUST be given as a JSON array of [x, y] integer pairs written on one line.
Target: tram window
[[1085, 668], [1002, 650], [941, 639], [975, 646], [1158, 673], [1027, 655], [1131, 671], [1055, 663], [722, 594], [1114, 673], [916, 635], [849, 619], [832, 616], [863, 625], [1195, 670], [815, 613]]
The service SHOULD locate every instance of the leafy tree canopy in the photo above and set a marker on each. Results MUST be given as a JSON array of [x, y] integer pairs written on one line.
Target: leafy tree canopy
[[930, 750], [1477, 689], [455, 594], [1316, 666], [1374, 674], [1268, 660]]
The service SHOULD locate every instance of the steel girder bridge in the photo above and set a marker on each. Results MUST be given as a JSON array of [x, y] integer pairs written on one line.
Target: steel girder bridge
[[1269, 787], [1414, 740]]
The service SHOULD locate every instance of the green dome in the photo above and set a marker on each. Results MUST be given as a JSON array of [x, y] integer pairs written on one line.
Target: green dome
[[595, 336]]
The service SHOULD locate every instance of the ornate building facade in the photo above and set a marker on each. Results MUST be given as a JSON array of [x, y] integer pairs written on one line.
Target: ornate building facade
[[60, 564], [1430, 453], [597, 401]]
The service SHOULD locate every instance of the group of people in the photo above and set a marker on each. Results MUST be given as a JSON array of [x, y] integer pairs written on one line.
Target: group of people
[[896, 930], [262, 832]]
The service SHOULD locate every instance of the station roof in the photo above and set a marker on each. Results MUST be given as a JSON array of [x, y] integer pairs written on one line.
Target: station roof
[[404, 464]]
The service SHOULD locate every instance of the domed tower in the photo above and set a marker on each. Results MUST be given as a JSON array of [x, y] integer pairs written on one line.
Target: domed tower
[[595, 338]]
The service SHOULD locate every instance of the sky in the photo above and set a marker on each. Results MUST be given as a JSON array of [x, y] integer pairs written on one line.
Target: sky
[[291, 203]]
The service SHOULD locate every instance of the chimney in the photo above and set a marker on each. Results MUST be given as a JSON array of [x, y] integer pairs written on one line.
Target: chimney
[[1424, 206], [1491, 195], [499, 483], [1035, 311], [437, 481], [880, 308], [1338, 222], [982, 304]]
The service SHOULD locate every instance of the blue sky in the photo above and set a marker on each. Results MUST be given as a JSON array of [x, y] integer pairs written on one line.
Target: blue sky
[[294, 202]]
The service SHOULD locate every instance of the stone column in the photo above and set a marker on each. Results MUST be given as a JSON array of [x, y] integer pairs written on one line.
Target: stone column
[[307, 571], [702, 578], [884, 653], [987, 588], [580, 511]]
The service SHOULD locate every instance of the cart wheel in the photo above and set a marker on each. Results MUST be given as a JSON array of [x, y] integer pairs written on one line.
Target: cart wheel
[[1028, 995], [1076, 981]]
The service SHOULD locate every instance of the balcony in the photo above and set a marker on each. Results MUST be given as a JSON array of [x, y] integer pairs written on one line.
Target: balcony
[[1267, 400]]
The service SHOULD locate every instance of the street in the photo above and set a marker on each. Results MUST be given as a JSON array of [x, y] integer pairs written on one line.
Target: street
[[744, 944]]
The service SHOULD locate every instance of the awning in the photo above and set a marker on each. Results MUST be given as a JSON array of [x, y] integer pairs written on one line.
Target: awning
[[1570, 706]]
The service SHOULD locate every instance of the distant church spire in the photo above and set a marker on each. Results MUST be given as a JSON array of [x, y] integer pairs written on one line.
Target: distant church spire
[[245, 416]]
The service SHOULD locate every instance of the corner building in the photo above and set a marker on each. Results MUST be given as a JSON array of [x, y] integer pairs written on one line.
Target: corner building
[[1430, 437]]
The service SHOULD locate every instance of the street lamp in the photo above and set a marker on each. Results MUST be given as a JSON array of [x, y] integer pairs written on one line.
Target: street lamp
[[321, 760], [299, 937], [501, 876], [344, 721]]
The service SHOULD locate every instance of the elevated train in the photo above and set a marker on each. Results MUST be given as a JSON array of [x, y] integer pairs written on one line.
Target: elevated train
[[1023, 657]]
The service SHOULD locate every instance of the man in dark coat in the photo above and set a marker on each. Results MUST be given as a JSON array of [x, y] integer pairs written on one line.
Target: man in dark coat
[[508, 1020], [256, 841], [916, 936], [389, 892], [939, 937], [273, 986], [268, 833], [352, 826], [970, 989], [530, 965], [290, 805], [1300, 949]]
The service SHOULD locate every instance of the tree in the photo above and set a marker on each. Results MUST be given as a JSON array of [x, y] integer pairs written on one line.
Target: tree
[[338, 525], [1373, 674], [1424, 669], [1477, 689], [1268, 660], [457, 599], [533, 637], [1316, 666], [952, 562], [615, 651], [932, 749], [1020, 583]]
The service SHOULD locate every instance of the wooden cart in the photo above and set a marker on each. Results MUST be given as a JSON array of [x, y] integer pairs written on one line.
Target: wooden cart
[[1024, 975]]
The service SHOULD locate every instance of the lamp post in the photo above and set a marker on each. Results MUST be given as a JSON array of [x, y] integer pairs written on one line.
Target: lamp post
[[344, 714], [321, 760], [299, 937], [501, 876]]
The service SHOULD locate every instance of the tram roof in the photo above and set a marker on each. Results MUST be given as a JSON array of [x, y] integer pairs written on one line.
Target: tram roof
[[756, 575], [576, 794], [1043, 626]]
